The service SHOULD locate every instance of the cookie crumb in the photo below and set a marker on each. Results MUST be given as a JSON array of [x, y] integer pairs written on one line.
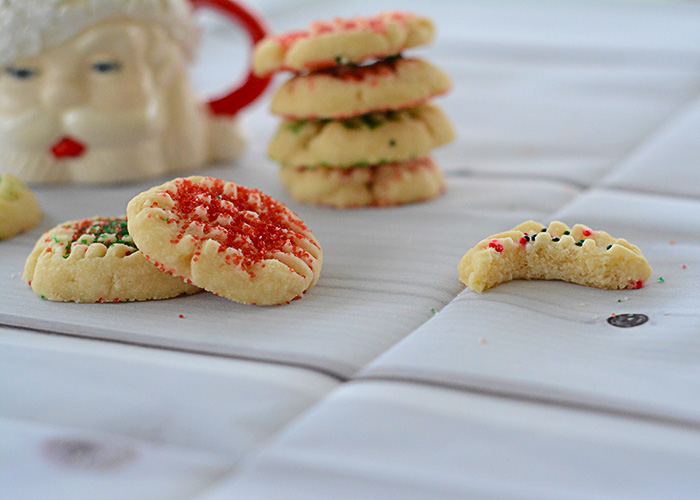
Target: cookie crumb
[[482, 340], [583, 304]]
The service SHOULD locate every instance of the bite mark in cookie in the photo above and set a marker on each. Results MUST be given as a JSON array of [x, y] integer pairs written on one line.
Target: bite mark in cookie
[[533, 252]]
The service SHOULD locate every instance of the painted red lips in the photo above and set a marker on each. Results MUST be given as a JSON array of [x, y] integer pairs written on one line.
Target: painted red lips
[[67, 147]]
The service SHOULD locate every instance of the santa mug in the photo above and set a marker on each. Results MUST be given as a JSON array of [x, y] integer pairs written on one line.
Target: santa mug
[[97, 91]]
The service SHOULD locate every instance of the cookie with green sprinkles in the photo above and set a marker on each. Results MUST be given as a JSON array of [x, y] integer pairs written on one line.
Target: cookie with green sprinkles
[[96, 260], [19, 210], [376, 139], [532, 251]]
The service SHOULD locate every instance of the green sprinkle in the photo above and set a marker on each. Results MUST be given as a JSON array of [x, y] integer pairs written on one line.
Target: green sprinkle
[[567, 233], [609, 247], [619, 300], [433, 311], [579, 243], [295, 127], [392, 143], [544, 230], [661, 280], [372, 120], [219, 197], [527, 238], [43, 297], [555, 239]]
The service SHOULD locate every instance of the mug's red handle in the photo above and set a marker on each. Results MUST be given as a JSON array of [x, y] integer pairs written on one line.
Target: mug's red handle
[[253, 86]]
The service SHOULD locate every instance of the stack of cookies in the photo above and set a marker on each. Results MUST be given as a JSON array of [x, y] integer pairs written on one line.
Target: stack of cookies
[[358, 128]]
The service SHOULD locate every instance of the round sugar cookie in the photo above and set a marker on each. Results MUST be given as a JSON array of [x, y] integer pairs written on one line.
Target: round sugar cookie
[[19, 210], [342, 41], [236, 242], [346, 91], [96, 260], [532, 251], [375, 139], [378, 186]]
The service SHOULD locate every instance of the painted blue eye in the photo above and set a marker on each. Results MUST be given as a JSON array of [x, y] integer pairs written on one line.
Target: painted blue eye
[[107, 67], [21, 73]]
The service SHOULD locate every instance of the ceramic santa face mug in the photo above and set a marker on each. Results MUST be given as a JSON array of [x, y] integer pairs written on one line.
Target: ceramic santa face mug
[[97, 91]]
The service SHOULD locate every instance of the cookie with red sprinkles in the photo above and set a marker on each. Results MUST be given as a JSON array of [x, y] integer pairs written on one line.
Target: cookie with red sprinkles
[[382, 185], [96, 260], [342, 41], [231, 240], [532, 251], [345, 91]]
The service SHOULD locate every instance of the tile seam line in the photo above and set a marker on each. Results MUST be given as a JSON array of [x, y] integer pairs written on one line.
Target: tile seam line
[[552, 402], [631, 151], [241, 357]]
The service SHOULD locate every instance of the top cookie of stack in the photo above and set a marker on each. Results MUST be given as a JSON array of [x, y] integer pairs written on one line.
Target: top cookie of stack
[[357, 129]]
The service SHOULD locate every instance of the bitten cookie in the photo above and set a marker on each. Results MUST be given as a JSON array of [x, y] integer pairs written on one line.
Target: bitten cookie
[[533, 252], [346, 91], [236, 242], [342, 41], [19, 210], [380, 185], [96, 260], [376, 138]]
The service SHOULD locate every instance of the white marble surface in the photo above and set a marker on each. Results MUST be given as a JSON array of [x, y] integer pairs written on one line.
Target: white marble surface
[[580, 111]]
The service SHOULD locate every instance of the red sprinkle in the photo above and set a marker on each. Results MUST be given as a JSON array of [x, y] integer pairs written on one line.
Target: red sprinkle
[[683, 267], [523, 241], [586, 232], [636, 285], [496, 246], [181, 316], [257, 237], [671, 242]]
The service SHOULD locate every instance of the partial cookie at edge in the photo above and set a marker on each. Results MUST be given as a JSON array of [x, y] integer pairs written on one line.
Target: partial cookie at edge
[[19, 210]]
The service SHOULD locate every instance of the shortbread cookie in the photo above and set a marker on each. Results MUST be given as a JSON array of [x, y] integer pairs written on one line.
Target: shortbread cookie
[[577, 255], [19, 210], [231, 240], [96, 260], [342, 41], [346, 91], [372, 139], [380, 185]]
